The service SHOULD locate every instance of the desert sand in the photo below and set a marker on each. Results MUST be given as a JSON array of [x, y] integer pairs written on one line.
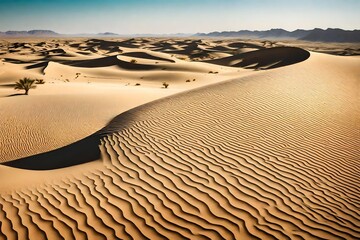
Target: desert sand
[[251, 140]]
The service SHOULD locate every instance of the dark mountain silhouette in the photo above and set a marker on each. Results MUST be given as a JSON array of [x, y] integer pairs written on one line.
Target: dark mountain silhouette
[[332, 35], [272, 33], [317, 34]]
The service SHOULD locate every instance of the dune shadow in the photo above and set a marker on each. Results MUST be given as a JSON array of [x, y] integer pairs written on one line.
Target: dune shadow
[[267, 58], [245, 45], [15, 61], [146, 56], [9, 85], [38, 65], [273, 57], [15, 94], [108, 61], [85, 150]]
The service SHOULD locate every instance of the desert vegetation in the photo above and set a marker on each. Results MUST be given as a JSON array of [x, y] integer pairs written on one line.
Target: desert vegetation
[[25, 84], [39, 81], [165, 84]]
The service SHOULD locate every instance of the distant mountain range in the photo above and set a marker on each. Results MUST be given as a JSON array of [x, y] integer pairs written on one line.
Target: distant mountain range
[[49, 33], [29, 33], [316, 35]]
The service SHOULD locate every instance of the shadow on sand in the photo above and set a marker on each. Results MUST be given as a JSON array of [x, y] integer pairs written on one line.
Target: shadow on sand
[[83, 151], [267, 58], [16, 94]]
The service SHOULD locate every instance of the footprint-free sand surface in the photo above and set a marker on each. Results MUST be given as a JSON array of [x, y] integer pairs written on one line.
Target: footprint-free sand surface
[[263, 144]]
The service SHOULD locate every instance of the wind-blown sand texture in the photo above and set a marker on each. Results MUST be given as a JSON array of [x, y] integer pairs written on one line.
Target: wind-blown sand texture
[[271, 154]]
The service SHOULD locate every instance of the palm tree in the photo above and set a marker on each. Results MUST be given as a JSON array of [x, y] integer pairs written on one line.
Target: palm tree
[[25, 84]]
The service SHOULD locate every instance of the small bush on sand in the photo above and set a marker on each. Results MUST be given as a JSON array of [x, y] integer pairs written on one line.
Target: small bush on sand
[[25, 84], [133, 61], [188, 80], [165, 84], [137, 84], [39, 81]]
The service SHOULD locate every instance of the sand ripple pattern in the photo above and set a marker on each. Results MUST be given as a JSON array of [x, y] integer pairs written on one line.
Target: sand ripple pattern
[[231, 161]]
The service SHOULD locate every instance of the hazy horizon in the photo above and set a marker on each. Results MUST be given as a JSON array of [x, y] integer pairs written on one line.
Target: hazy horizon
[[176, 16]]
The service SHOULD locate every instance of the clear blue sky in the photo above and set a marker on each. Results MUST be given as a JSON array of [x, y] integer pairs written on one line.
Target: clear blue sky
[[175, 16]]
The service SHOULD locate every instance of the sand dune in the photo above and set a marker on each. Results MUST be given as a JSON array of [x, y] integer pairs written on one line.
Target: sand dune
[[269, 154], [59, 114], [22, 131], [148, 56], [109, 61], [265, 58]]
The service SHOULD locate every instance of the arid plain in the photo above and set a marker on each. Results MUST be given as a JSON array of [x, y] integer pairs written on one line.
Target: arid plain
[[157, 138]]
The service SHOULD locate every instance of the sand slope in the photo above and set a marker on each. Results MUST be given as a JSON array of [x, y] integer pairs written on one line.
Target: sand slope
[[88, 82], [273, 155]]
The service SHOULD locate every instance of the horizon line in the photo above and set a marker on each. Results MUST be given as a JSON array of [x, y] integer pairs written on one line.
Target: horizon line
[[179, 33]]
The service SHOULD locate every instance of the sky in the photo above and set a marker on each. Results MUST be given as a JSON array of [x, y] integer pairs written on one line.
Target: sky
[[176, 16]]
